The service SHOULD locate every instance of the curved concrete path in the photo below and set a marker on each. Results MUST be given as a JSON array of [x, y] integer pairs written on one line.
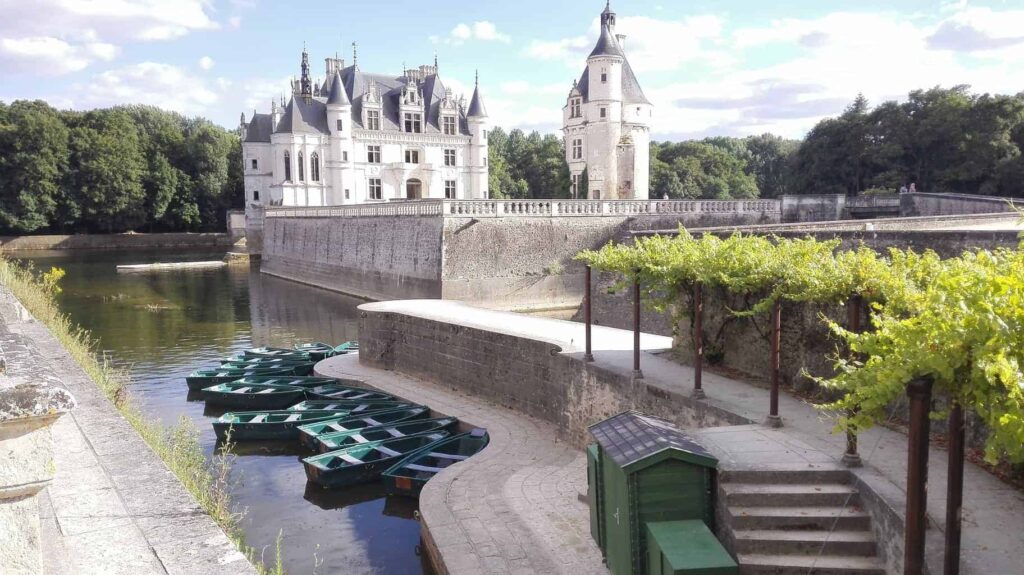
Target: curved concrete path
[[516, 507]]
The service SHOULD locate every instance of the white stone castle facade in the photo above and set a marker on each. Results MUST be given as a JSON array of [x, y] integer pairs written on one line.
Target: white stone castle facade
[[606, 123], [362, 137]]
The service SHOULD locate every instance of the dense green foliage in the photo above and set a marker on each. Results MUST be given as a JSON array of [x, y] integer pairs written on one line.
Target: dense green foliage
[[958, 321], [526, 166], [114, 170], [721, 168], [943, 140]]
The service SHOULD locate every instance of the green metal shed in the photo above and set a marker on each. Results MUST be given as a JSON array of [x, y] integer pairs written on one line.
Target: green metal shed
[[644, 470]]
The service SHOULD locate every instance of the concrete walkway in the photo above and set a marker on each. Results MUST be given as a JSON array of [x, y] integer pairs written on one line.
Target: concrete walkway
[[993, 511], [513, 508], [113, 507]]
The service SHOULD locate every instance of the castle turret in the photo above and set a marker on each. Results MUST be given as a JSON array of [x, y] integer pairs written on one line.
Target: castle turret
[[339, 123], [476, 117]]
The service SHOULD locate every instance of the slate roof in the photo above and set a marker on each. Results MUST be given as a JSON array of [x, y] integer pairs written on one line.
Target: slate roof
[[630, 437], [260, 128], [476, 105], [301, 117], [337, 95], [632, 93], [357, 82]]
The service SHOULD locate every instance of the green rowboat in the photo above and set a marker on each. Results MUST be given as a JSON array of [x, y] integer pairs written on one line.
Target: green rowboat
[[408, 476], [275, 352], [302, 369], [320, 351], [342, 439], [283, 424], [337, 391], [264, 361], [310, 434], [304, 382], [363, 462], [203, 378], [250, 396]]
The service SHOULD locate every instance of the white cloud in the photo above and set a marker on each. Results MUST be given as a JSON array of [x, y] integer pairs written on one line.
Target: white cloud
[[152, 83], [483, 30], [206, 63], [60, 36]]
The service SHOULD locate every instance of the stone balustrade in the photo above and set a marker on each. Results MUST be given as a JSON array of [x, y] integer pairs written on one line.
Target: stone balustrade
[[530, 208]]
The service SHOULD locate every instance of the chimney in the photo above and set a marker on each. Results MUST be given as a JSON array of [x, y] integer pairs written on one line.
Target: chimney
[[622, 40]]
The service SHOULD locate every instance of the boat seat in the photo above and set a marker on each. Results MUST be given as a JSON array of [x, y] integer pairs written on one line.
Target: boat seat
[[388, 451], [350, 459], [428, 469], [293, 417], [259, 418], [268, 390], [448, 456]]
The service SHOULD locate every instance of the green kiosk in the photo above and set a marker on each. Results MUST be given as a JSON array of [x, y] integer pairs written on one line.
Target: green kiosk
[[652, 505]]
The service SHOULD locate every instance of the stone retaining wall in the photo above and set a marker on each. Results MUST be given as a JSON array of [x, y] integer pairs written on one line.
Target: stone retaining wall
[[529, 376], [114, 242]]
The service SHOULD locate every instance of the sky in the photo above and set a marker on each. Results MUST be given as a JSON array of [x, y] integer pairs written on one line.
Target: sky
[[710, 67]]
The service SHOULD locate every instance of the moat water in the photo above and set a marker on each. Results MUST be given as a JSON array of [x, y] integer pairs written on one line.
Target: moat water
[[162, 325]]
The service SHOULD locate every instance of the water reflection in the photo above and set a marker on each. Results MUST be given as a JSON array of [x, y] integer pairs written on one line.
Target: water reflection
[[162, 325]]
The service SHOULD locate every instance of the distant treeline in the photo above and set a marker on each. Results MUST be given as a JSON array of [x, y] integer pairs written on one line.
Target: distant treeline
[[114, 170], [942, 140]]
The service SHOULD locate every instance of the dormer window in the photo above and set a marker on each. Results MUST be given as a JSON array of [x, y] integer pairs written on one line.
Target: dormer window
[[413, 122], [373, 119], [448, 125], [575, 108]]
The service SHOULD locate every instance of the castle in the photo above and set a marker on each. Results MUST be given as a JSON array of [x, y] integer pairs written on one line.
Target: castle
[[606, 122], [360, 137]]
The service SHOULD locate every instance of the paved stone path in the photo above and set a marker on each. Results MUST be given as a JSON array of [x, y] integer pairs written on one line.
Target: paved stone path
[[113, 507], [993, 511], [515, 507]]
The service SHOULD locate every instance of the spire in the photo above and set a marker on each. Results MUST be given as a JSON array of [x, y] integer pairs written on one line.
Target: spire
[[435, 61], [608, 17], [476, 105], [338, 95], [307, 83], [355, 55]]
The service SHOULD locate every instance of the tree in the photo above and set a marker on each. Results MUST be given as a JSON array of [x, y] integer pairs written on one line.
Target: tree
[[769, 162], [107, 171], [33, 163]]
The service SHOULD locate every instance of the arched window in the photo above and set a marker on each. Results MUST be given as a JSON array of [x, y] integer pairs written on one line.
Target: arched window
[[287, 167], [302, 168], [314, 167]]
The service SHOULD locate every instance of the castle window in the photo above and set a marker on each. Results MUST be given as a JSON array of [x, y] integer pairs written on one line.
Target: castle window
[[302, 168], [373, 154], [254, 164], [255, 195], [449, 158], [412, 156], [314, 166], [413, 122], [344, 156], [449, 125], [373, 119], [376, 190], [604, 112], [340, 125], [577, 149], [449, 189], [287, 167], [575, 109], [346, 193], [604, 77], [575, 185]]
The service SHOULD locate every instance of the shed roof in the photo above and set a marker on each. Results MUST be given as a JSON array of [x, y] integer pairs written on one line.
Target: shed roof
[[630, 437]]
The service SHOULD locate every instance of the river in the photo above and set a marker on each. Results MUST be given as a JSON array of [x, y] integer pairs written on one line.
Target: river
[[162, 325]]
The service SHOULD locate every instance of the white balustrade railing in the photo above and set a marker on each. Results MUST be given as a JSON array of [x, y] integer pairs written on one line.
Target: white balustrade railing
[[529, 208]]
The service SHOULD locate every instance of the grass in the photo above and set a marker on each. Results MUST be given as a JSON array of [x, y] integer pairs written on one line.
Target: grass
[[209, 481]]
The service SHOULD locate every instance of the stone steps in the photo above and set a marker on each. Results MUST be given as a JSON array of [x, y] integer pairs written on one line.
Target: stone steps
[[809, 565], [758, 541], [798, 523], [805, 518], [790, 495]]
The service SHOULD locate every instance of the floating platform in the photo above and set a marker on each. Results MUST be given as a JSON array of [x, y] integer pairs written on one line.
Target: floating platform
[[160, 267]]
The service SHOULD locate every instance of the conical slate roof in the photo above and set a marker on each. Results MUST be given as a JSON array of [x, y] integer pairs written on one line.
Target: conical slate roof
[[338, 95], [476, 105], [607, 45]]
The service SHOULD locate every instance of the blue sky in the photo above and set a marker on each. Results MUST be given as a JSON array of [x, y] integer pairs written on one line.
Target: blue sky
[[710, 67]]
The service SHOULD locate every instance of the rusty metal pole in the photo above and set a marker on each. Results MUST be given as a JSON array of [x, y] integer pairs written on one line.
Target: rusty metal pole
[[773, 419], [853, 308], [920, 393], [637, 374], [588, 355], [954, 490], [698, 340]]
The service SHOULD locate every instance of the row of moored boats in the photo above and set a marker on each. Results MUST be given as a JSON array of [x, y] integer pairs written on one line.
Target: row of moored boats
[[359, 434]]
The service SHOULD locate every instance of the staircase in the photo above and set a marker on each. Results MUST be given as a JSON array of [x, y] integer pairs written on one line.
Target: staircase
[[798, 523]]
